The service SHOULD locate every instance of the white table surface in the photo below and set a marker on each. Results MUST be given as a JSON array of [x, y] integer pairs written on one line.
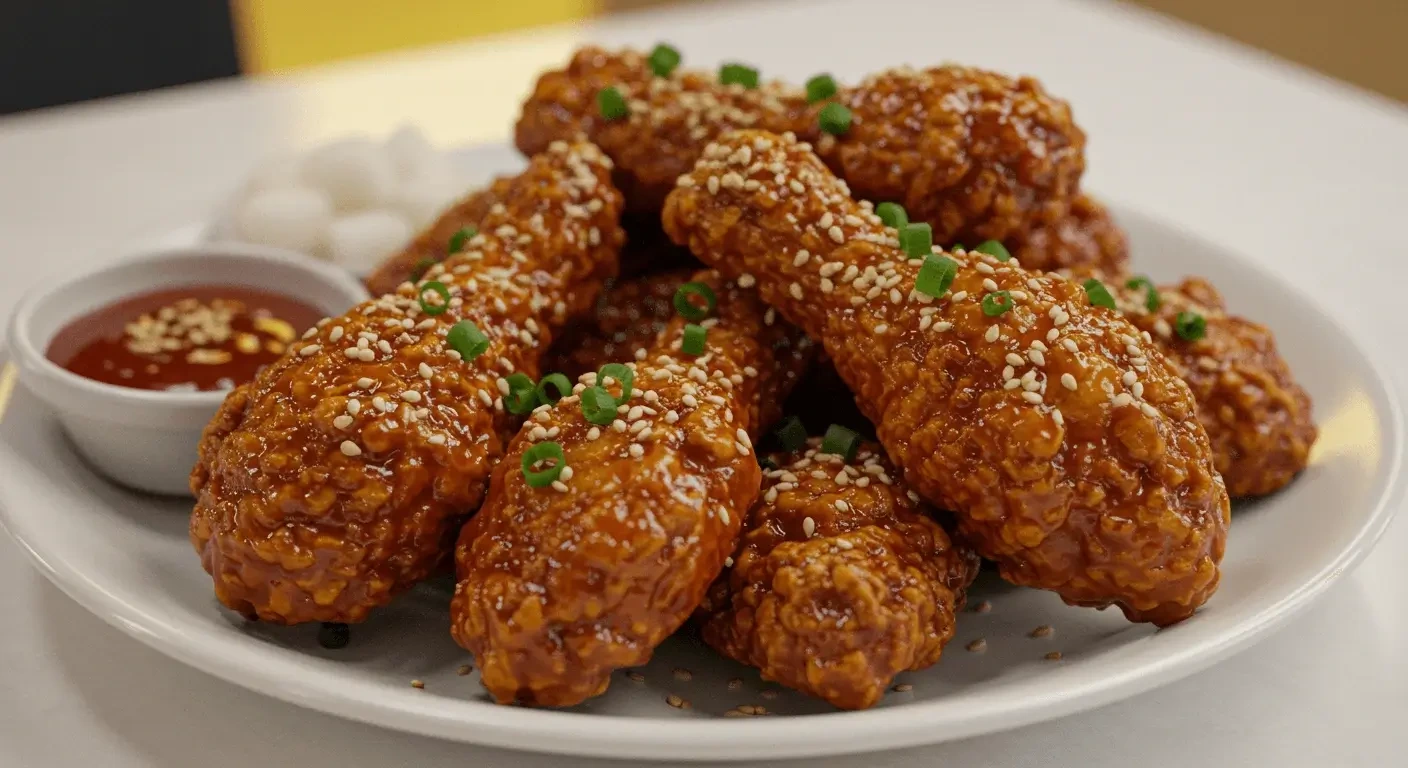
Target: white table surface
[[1275, 162]]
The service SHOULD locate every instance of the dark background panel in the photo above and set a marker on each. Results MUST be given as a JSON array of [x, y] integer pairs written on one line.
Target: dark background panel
[[60, 51]]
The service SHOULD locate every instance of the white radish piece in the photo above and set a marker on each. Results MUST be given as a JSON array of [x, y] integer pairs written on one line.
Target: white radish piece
[[355, 173], [359, 241], [284, 217]]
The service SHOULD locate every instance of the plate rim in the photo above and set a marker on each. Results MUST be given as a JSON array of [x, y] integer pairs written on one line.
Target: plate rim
[[832, 733]]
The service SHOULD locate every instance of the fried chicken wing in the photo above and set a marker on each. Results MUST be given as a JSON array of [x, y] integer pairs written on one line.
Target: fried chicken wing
[[976, 154], [1085, 239], [561, 584], [841, 580], [1258, 418], [432, 245], [340, 476], [628, 317], [1065, 443]]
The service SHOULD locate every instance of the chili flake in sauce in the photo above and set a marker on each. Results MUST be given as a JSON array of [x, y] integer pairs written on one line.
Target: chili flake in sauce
[[201, 338]]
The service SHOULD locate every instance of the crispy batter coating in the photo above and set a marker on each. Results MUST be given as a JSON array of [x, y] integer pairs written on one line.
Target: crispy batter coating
[[1258, 418], [976, 154], [1066, 444], [341, 475], [1085, 239], [628, 317], [841, 579], [560, 585], [432, 245]]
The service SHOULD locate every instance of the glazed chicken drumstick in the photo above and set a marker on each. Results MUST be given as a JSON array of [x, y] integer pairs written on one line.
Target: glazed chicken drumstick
[[975, 154], [616, 506], [1064, 442], [841, 580], [340, 476]]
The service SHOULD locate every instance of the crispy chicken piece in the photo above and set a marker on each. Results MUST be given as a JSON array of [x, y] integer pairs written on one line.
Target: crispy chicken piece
[[628, 317], [433, 244], [340, 476], [976, 154], [1085, 239], [1067, 446], [836, 587], [1258, 418], [560, 585]]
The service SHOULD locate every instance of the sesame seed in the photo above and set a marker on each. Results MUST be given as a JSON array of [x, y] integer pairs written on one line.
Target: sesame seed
[[1053, 656], [310, 350], [1032, 397], [1148, 410], [723, 516], [989, 284], [985, 268], [593, 433], [1122, 399], [808, 527], [1015, 359], [342, 422], [1070, 345], [960, 296], [903, 688], [795, 290], [942, 325], [411, 396], [350, 448], [425, 371], [1068, 381], [842, 506], [366, 355], [1129, 378], [1137, 389], [636, 450], [618, 425], [992, 333], [1044, 630], [437, 439], [1036, 356], [977, 646], [801, 258], [881, 328]]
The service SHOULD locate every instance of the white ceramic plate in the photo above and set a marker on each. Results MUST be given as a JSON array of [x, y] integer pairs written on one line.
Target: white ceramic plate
[[127, 559]]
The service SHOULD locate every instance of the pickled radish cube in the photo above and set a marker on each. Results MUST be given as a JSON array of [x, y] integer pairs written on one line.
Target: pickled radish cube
[[356, 174], [411, 154], [284, 217], [359, 241]]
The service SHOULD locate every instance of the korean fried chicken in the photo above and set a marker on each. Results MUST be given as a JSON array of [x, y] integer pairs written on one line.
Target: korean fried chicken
[[599, 537], [975, 154], [841, 579], [1063, 440], [340, 476], [628, 316], [1256, 415], [1085, 239], [432, 246]]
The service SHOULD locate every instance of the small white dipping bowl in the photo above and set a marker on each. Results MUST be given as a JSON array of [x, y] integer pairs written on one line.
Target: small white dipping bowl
[[146, 439]]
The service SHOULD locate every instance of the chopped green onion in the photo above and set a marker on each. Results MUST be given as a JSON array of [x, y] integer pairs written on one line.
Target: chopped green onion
[[1098, 294], [741, 74], [917, 240], [611, 103], [461, 238], [936, 275], [835, 119], [840, 441], [766, 462], [693, 343], [542, 452], [791, 435], [664, 59], [558, 382], [997, 303], [434, 286], [1190, 326], [994, 248], [688, 309], [957, 247], [466, 339], [892, 214], [1151, 294], [598, 406], [418, 271], [620, 373], [820, 87], [522, 394]]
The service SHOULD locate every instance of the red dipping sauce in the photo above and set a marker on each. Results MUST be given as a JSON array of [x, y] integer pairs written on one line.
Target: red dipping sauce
[[198, 338]]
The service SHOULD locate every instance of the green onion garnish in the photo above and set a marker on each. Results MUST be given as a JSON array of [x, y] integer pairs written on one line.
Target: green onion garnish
[[693, 343], [664, 59], [559, 382], [791, 435], [611, 103], [835, 119], [542, 452], [917, 240], [688, 309], [620, 373], [957, 247], [419, 270], [1190, 326], [434, 286], [522, 394], [994, 248], [840, 441], [466, 339], [598, 406], [741, 74], [936, 275], [820, 87], [1151, 294], [766, 462], [892, 214], [1098, 294], [461, 238], [997, 303]]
